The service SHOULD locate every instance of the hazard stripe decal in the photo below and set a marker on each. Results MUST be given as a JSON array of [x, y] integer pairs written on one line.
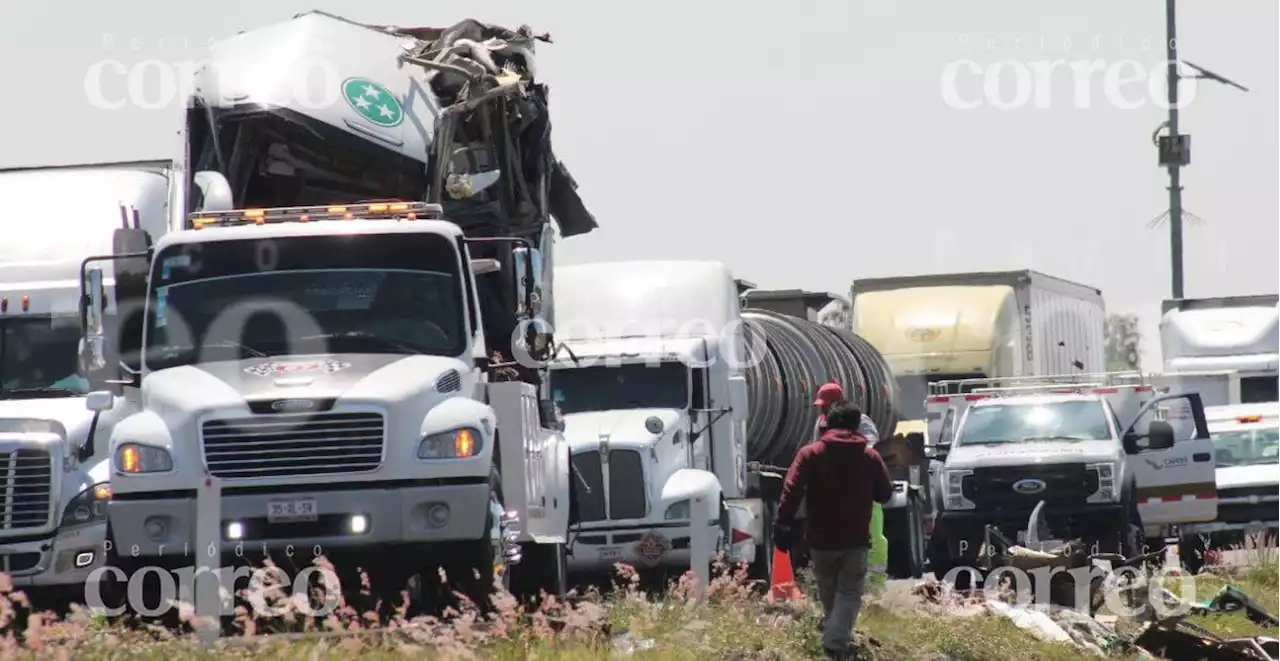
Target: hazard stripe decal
[[1173, 493]]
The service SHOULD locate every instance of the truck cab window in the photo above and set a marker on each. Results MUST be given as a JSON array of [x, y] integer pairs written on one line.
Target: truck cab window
[[611, 388], [1058, 421], [1247, 447], [39, 357], [369, 293]]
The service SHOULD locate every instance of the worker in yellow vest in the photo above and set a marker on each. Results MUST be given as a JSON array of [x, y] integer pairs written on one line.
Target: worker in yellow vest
[[878, 556]]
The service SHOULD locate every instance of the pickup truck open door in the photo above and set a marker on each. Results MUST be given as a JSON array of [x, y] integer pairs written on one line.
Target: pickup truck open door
[[1170, 455]]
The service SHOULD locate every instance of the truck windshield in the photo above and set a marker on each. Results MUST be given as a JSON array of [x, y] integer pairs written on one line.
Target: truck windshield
[[1247, 447], [611, 388], [1015, 423], [361, 293], [39, 357]]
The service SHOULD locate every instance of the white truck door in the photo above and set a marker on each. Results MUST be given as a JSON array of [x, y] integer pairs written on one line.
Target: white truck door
[[1171, 457]]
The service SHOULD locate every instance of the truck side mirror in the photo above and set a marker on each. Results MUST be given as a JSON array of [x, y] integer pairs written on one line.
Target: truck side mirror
[[93, 308], [528, 274], [1160, 435]]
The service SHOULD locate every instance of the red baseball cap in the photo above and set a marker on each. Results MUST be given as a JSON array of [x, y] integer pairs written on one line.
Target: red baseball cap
[[829, 393]]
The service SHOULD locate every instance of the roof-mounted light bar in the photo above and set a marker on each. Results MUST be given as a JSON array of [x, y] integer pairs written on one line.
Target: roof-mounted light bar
[[364, 211]]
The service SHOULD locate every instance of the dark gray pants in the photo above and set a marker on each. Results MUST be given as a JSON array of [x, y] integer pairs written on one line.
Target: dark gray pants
[[841, 576]]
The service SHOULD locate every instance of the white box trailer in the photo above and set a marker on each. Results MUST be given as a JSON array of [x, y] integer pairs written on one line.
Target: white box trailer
[[1200, 339], [994, 324]]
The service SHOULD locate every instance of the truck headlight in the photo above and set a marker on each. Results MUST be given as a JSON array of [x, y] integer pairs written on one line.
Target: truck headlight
[[1107, 491], [953, 495], [677, 511], [455, 444], [89, 506], [133, 458]]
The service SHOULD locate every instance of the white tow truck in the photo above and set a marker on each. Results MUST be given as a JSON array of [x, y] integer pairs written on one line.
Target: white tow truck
[[355, 368], [53, 452], [654, 413], [1246, 445], [1113, 461]]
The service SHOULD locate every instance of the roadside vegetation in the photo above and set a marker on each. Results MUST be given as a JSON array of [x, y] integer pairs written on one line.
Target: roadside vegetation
[[734, 622]]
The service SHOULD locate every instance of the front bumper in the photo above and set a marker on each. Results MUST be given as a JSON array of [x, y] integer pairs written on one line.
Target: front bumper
[[64, 560], [659, 545], [392, 516], [1087, 522]]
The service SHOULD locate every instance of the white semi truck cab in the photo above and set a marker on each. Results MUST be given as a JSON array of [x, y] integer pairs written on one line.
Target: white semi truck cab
[[654, 412], [53, 452], [328, 364]]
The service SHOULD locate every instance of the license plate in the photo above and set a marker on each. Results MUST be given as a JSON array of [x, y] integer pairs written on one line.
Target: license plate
[[300, 509], [610, 552]]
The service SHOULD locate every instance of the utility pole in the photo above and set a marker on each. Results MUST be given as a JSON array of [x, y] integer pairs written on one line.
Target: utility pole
[[1174, 147], [1181, 147]]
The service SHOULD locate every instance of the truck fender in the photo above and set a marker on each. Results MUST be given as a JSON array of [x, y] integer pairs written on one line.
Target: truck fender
[[456, 412], [688, 483]]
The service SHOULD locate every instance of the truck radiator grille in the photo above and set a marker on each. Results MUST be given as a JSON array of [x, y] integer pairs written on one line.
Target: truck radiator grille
[[588, 486], [626, 485], [991, 488], [284, 445], [28, 481]]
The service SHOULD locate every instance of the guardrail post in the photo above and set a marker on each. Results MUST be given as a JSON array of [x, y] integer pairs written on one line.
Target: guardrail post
[[207, 597], [700, 547]]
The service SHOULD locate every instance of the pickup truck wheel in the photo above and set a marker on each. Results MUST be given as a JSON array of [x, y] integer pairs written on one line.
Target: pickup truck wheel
[[1133, 541]]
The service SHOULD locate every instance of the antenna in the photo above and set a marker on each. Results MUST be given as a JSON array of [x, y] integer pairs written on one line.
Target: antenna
[[1202, 72]]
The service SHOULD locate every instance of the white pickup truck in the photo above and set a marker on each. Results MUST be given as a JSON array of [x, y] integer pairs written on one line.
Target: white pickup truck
[[1246, 446], [1103, 480]]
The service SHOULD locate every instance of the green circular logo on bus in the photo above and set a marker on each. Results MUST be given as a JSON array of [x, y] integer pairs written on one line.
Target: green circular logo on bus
[[374, 102]]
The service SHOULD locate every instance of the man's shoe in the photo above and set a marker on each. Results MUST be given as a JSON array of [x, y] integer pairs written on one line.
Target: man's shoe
[[838, 655]]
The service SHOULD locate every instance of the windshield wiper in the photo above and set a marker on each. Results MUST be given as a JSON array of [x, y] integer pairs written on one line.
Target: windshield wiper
[[232, 344], [365, 335], [1055, 438], [63, 392]]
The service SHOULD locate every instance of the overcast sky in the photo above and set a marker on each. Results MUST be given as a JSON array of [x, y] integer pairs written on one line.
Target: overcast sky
[[808, 142]]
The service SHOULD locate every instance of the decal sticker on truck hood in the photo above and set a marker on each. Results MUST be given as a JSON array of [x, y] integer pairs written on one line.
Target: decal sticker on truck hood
[[291, 367]]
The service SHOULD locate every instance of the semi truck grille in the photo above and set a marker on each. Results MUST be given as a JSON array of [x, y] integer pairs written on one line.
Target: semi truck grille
[[991, 488], [588, 486], [284, 445], [28, 479], [626, 485]]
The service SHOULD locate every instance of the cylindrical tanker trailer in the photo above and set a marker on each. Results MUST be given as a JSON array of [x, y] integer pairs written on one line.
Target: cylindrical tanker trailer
[[781, 384], [799, 355]]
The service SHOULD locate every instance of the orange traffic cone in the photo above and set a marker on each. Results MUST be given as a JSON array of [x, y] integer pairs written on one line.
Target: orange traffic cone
[[782, 585]]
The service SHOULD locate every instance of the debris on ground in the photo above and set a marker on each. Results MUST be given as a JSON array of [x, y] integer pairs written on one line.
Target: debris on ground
[[1169, 638]]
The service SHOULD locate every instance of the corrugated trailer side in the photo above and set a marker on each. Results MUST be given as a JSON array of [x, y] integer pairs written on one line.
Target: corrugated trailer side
[[1067, 324]]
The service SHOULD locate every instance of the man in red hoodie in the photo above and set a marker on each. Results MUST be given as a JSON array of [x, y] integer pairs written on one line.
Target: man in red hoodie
[[839, 476]]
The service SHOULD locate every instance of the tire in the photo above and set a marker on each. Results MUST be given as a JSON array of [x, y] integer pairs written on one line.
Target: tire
[[470, 566], [543, 568], [1133, 540], [115, 592], [1191, 552], [915, 537], [762, 568]]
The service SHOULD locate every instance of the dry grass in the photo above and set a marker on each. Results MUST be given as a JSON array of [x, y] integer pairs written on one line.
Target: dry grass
[[732, 623]]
